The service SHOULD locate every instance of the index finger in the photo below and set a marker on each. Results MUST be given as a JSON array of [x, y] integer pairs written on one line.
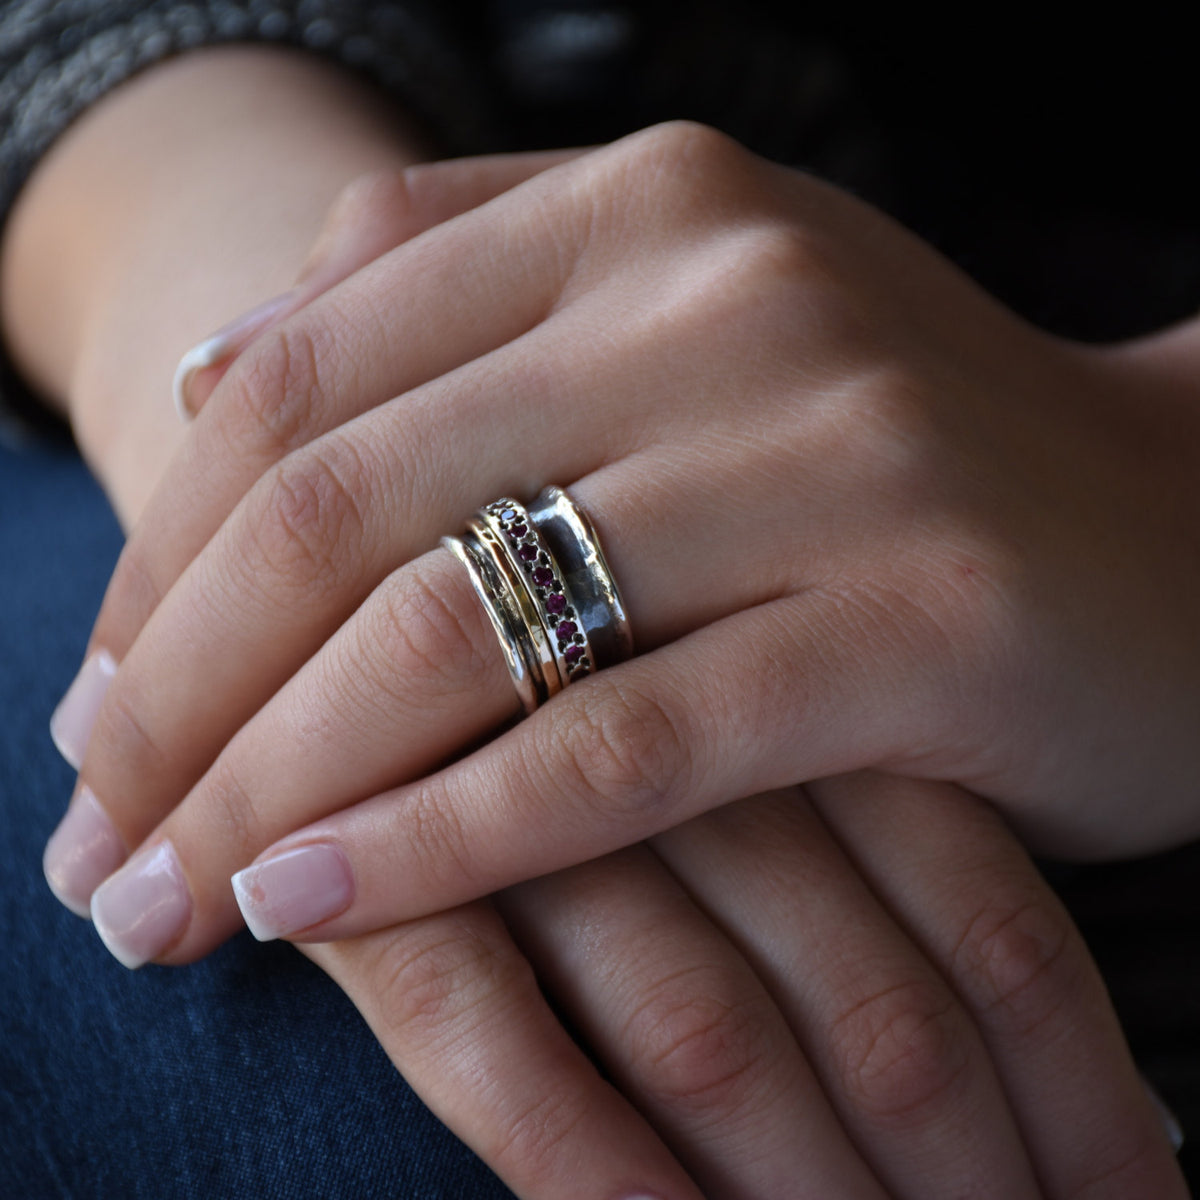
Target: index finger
[[218, 465]]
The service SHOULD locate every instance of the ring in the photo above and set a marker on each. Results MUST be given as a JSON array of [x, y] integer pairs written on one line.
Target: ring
[[548, 591]]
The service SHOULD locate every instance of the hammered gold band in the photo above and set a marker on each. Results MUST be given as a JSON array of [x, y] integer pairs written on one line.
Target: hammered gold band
[[547, 590]]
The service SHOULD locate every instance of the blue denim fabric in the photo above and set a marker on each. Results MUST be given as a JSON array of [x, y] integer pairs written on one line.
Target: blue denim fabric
[[248, 1074]]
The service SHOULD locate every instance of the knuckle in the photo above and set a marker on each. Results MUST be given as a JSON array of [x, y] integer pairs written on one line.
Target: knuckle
[[901, 1053], [532, 1138], [424, 644], [1122, 1166], [888, 429], [309, 518], [1023, 963], [624, 754], [698, 1046], [432, 822], [774, 253], [270, 394], [379, 200], [229, 812], [125, 736], [441, 974], [688, 148], [679, 173]]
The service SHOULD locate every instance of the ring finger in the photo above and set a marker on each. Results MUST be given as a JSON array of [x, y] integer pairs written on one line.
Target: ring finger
[[413, 678]]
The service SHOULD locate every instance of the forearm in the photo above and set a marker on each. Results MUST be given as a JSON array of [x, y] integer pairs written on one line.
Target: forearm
[[187, 196]]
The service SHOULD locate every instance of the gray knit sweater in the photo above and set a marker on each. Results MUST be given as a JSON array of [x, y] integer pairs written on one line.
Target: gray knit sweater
[[59, 56]]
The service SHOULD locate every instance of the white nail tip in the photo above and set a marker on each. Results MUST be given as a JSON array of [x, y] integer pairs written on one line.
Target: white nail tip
[[119, 952], [207, 354], [249, 903], [71, 722], [64, 748]]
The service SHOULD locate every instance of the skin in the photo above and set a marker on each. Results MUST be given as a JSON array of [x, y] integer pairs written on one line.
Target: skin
[[981, 1024]]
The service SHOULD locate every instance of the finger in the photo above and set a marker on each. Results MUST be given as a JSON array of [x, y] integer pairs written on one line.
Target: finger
[[947, 866], [156, 552], [634, 750], [372, 215], [899, 1057], [414, 675], [686, 1029], [311, 541], [458, 1011], [434, 306], [411, 678]]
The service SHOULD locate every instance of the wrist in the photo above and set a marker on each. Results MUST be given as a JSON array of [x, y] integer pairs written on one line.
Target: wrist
[[206, 180]]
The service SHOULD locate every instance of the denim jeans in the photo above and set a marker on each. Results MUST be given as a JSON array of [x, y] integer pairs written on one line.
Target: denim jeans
[[248, 1074]]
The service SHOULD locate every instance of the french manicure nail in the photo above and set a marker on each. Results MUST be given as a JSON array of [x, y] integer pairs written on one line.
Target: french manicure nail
[[82, 852], [71, 724], [144, 907], [1168, 1118], [294, 890], [228, 341]]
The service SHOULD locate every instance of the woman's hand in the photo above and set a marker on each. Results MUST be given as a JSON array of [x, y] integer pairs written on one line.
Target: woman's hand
[[381, 969], [860, 514], [865, 991]]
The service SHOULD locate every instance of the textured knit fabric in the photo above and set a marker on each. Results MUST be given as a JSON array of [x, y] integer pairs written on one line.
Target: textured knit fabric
[[57, 57]]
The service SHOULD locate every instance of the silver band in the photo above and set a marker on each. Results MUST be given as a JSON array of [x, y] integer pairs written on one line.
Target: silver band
[[547, 589], [575, 544]]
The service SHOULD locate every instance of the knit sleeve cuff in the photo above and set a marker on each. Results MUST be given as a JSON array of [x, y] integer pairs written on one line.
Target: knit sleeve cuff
[[58, 57]]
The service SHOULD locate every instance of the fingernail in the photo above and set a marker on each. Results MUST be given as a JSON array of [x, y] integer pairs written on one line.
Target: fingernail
[[144, 907], [71, 724], [1169, 1120], [82, 852], [294, 890], [223, 345]]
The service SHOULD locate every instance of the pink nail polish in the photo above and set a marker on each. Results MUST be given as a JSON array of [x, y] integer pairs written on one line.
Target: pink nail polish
[[82, 852], [144, 907], [229, 341], [71, 724], [294, 890]]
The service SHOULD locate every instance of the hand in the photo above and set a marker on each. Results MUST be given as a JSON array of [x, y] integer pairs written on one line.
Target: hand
[[330, 951], [886, 525], [867, 991]]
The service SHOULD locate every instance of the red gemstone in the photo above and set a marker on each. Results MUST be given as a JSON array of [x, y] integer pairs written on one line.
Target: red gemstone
[[528, 552], [543, 576], [519, 531], [573, 654], [557, 602], [566, 630]]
